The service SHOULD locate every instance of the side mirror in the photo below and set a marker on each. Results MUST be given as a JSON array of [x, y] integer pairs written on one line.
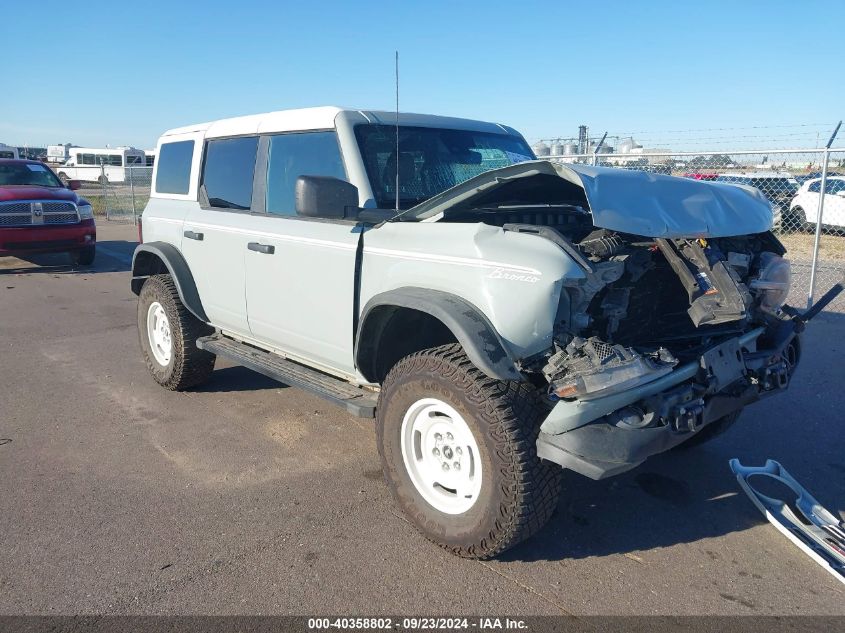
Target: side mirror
[[324, 197], [73, 185]]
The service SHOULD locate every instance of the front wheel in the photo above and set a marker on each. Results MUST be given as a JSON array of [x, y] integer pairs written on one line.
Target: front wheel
[[84, 256], [168, 334], [798, 221], [459, 453]]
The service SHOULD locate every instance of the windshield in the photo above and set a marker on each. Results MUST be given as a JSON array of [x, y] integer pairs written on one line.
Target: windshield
[[31, 174], [431, 160]]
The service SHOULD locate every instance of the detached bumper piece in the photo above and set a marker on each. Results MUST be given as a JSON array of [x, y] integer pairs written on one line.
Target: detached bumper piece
[[802, 519]]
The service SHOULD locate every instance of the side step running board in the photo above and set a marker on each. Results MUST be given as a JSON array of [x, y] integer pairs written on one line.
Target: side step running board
[[355, 400]]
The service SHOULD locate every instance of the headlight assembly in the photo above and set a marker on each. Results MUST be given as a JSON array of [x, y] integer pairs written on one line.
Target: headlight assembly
[[85, 212], [772, 285]]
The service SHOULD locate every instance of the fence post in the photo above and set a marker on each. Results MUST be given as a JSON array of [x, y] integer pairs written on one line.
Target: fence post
[[819, 213], [132, 193], [103, 189]]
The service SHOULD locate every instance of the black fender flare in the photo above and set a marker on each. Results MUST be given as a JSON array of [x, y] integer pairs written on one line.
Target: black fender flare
[[178, 268], [470, 326]]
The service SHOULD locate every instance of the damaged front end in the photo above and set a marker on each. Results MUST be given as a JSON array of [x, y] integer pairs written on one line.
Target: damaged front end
[[678, 320], [665, 337]]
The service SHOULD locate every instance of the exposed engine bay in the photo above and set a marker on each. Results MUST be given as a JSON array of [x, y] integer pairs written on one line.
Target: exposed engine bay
[[649, 305], [678, 322]]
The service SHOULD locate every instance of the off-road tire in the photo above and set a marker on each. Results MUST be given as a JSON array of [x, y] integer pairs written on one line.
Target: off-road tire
[[84, 256], [519, 492], [711, 431], [189, 366]]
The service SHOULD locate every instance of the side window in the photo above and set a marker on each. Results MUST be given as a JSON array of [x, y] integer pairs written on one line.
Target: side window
[[88, 159], [228, 171], [299, 154], [815, 187], [174, 167], [834, 186]]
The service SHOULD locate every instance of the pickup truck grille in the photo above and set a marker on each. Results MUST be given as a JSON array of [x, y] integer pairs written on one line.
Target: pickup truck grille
[[37, 213]]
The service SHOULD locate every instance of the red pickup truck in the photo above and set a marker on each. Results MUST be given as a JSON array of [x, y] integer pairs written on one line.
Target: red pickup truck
[[38, 214]]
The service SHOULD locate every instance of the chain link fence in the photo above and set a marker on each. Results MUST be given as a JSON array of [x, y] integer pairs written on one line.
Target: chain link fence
[[792, 182], [120, 198]]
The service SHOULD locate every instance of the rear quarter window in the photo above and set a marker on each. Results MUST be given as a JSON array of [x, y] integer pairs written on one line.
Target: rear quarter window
[[174, 167]]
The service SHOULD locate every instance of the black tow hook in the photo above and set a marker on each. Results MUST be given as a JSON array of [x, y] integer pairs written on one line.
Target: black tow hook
[[798, 321]]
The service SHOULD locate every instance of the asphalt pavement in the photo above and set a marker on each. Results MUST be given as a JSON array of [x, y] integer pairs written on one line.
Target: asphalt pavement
[[248, 497]]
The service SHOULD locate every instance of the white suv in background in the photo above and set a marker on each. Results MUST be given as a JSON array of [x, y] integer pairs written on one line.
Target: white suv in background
[[804, 208]]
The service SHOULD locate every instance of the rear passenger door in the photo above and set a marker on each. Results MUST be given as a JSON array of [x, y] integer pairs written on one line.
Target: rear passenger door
[[216, 231], [300, 271]]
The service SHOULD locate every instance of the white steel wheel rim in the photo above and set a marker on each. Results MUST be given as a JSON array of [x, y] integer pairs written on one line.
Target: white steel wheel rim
[[441, 456], [158, 333]]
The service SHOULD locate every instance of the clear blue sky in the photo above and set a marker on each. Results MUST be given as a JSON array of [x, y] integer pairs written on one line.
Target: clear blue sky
[[122, 72]]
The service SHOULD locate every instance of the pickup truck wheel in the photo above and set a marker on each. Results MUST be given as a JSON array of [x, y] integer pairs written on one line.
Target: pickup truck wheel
[[168, 334], [84, 256], [459, 454]]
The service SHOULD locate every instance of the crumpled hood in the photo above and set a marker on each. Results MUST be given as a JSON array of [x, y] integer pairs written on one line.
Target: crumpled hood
[[629, 201]]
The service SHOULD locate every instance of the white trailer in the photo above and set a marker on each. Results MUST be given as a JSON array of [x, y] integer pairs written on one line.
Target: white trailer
[[151, 157], [7, 151], [100, 164]]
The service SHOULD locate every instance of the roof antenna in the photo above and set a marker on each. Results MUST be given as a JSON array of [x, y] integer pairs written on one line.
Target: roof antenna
[[396, 66]]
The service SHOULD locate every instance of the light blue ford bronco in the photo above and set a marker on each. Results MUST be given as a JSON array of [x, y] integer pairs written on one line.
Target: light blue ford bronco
[[501, 317]]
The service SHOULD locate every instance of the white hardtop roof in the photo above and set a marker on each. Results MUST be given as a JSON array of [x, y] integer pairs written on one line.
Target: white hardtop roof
[[323, 118]]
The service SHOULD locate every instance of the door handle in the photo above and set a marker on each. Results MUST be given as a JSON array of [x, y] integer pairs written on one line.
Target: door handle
[[191, 235], [267, 249]]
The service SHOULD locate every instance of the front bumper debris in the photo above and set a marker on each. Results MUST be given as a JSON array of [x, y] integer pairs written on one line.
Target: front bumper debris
[[801, 519]]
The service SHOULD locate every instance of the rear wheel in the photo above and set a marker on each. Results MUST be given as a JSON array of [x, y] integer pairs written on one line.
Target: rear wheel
[[168, 333], [103, 180], [459, 454]]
